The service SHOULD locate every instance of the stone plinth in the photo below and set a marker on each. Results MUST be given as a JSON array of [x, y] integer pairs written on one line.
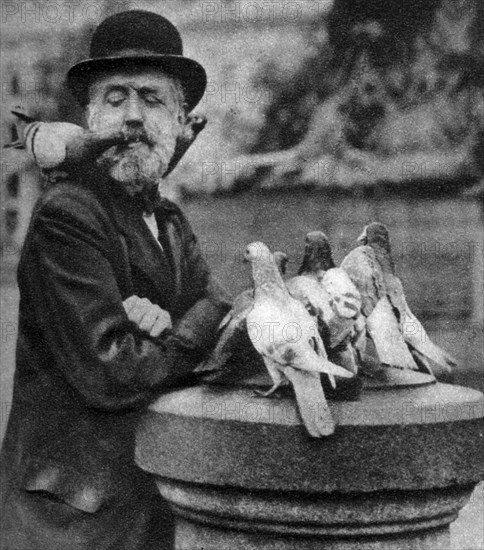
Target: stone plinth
[[241, 472]]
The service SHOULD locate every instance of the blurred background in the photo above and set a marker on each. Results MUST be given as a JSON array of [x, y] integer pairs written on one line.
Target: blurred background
[[322, 115]]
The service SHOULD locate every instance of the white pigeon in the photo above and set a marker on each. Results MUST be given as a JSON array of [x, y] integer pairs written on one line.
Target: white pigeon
[[286, 336], [376, 236]]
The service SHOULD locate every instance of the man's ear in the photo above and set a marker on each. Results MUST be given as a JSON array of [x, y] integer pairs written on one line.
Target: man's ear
[[193, 125]]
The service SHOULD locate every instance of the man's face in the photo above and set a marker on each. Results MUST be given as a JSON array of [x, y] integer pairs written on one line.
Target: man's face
[[146, 105]]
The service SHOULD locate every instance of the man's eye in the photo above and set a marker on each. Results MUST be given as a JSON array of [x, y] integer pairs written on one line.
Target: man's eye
[[153, 100], [115, 99]]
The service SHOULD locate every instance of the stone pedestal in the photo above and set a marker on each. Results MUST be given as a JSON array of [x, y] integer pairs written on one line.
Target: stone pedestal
[[241, 472]]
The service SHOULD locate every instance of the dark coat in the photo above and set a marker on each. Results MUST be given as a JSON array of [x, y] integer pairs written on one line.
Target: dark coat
[[85, 373]]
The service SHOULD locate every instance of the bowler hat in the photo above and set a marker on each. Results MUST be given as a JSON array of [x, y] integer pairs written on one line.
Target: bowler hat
[[138, 38]]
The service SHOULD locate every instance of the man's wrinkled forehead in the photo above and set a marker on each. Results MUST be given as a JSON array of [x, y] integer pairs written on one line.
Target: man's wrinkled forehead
[[152, 79]]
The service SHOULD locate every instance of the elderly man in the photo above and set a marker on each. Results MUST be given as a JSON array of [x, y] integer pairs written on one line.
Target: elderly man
[[116, 306]]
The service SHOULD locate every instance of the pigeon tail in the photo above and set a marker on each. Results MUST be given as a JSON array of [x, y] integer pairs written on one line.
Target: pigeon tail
[[22, 115], [311, 402], [416, 336], [14, 145]]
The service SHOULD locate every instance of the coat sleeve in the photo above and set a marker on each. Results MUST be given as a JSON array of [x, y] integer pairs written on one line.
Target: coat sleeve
[[108, 361]]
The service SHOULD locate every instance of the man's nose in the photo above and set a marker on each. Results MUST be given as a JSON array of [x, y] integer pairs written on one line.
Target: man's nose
[[134, 114]]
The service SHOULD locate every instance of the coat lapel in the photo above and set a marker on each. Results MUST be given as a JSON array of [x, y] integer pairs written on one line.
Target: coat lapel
[[149, 264], [171, 241]]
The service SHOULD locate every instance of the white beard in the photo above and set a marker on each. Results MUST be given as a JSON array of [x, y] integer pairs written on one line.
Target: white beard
[[138, 167]]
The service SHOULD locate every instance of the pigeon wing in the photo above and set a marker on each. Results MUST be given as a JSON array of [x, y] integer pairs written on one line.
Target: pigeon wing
[[233, 329], [346, 299], [384, 330], [364, 271], [312, 295], [416, 335], [413, 331]]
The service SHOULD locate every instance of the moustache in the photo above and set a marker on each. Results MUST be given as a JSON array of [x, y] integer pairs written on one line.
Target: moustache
[[138, 135]]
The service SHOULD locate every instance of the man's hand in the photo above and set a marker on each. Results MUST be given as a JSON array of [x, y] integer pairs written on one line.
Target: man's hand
[[147, 316]]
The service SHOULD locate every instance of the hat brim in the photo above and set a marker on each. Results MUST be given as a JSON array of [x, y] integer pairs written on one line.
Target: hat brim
[[190, 73]]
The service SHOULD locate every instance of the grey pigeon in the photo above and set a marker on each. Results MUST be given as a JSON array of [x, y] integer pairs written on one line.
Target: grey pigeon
[[286, 336], [377, 237], [366, 271], [328, 292], [318, 257], [62, 145], [226, 363]]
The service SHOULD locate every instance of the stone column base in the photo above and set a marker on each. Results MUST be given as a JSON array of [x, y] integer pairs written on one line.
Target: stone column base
[[191, 536], [235, 519], [241, 472]]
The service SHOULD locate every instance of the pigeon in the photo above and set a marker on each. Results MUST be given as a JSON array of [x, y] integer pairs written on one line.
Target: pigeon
[[193, 126], [328, 292], [382, 323], [286, 336], [318, 257], [62, 145], [420, 345], [233, 340]]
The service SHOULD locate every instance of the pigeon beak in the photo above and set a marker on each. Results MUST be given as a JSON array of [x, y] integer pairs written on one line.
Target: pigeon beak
[[363, 238]]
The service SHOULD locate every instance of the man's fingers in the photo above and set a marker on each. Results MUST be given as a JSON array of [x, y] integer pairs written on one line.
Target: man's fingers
[[139, 310], [130, 302], [149, 318], [162, 323]]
